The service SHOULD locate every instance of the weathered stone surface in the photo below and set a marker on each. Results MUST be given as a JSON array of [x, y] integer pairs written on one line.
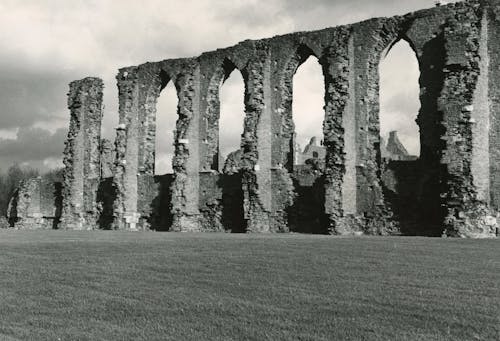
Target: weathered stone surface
[[36, 205], [82, 155], [108, 154]]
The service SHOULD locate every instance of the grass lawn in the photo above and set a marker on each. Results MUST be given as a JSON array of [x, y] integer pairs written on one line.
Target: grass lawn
[[61, 285]]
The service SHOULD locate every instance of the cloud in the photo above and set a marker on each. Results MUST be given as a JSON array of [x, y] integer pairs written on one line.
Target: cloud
[[31, 96], [316, 14], [33, 145]]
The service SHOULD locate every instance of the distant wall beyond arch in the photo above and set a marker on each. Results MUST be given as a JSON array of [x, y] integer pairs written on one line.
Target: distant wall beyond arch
[[232, 115], [308, 105], [400, 97]]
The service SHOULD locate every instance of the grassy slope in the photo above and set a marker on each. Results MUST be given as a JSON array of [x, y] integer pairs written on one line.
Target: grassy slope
[[153, 286]]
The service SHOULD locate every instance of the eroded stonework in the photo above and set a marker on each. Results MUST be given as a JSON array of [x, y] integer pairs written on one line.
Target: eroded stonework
[[36, 205], [82, 155], [455, 182]]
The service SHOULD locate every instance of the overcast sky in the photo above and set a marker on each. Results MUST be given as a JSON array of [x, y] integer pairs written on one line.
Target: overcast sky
[[48, 43]]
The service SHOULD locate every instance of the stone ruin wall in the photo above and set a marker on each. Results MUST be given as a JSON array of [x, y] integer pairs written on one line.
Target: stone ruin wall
[[36, 205], [457, 178], [82, 156]]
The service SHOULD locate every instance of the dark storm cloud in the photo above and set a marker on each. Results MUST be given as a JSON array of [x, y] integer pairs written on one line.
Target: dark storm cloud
[[28, 96], [33, 144]]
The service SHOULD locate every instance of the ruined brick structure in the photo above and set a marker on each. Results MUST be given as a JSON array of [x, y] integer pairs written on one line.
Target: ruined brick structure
[[455, 181]]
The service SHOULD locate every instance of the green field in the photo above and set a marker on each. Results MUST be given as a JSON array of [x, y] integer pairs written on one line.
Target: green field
[[59, 285]]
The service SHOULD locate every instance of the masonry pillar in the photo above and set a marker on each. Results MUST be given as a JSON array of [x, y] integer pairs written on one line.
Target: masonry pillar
[[466, 109], [138, 90], [186, 182], [213, 204], [256, 172], [278, 129], [127, 146], [364, 210], [81, 155], [491, 32], [339, 133]]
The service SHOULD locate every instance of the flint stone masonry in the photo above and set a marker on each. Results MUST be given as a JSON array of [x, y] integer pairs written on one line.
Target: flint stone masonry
[[36, 205], [82, 155], [260, 188], [108, 153]]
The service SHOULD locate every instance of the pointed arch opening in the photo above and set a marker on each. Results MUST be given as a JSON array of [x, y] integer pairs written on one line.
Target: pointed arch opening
[[399, 91], [231, 126], [408, 189], [165, 123], [308, 111], [307, 214], [166, 118], [231, 114]]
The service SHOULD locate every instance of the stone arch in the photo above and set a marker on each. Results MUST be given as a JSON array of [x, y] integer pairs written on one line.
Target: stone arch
[[160, 218], [231, 122], [230, 162], [399, 38], [163, 118], [222, 201], [306, 213], [408, 126], [212, 159], [308, 111], [412, 187], [302, 53], [164, 78]]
